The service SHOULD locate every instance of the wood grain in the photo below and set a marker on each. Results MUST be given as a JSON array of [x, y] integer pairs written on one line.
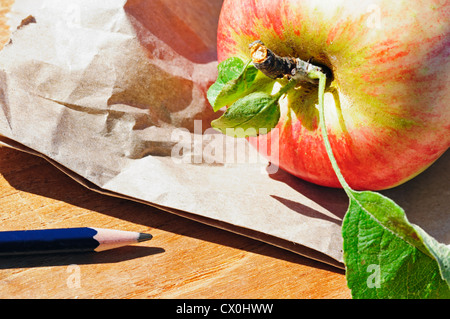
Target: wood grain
[[185, 259]]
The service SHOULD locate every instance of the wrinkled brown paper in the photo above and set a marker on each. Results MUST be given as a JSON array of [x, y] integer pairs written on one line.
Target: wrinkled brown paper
[[113, 94]]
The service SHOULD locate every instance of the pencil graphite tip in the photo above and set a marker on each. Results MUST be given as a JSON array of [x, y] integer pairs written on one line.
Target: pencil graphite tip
[[144, 237]]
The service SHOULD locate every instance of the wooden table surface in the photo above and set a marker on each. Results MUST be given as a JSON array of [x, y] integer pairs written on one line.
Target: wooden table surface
[[185, 259]]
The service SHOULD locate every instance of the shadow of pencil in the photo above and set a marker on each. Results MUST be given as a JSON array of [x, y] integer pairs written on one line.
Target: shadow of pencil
[[105, 257]]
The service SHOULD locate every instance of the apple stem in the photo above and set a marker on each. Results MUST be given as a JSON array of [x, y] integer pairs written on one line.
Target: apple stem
[[322, 81], [277, 67]]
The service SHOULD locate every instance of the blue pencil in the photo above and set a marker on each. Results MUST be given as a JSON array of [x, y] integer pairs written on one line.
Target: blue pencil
[[65, 240]]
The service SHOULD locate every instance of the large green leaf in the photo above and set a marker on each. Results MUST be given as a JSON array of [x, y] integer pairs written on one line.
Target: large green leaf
[[386, 256]]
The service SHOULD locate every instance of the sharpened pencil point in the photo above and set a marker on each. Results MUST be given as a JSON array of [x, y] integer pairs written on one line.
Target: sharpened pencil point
[[144, 237]]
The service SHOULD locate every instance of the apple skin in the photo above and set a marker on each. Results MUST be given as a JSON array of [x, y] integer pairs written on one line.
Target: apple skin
[[388, 106]]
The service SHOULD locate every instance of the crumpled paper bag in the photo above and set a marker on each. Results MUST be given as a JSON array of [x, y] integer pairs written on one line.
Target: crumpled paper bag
[[113, 94]]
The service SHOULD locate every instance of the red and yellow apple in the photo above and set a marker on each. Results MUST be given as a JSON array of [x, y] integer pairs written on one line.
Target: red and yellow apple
[[387, 107]]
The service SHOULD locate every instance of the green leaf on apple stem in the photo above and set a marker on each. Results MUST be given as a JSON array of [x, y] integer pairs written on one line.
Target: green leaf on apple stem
[[385, 255], [234, 79], [254, 114], [251, 115]]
